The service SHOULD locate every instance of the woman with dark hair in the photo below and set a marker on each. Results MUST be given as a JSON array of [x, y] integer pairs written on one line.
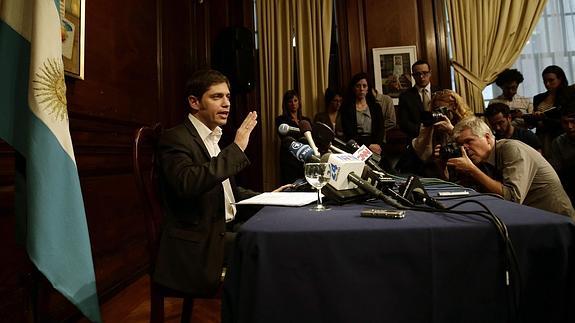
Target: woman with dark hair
[[331, 116], [361, 116], [548, 120], [290, 168]]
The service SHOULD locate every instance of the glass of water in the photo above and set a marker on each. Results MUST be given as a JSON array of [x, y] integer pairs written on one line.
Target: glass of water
[[317, 175]]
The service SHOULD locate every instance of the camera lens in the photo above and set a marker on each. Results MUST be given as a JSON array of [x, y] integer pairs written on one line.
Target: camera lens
[[451, 150], [429, 118]]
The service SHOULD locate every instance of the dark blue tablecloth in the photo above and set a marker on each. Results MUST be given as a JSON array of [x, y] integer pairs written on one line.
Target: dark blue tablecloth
[[295, 265]]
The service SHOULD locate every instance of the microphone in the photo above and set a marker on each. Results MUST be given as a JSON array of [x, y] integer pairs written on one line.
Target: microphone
[[344, 176], [284, 129], [343, 146], [305, 127], [414, 191], [301, 152], [341, 165], [323, 136], [353, 145], [352, 177]]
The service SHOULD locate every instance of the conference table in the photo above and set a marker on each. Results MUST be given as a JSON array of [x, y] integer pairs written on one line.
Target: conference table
[[295, 265]]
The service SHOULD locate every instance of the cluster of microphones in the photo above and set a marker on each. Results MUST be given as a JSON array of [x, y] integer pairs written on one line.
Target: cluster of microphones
[[355, 171]]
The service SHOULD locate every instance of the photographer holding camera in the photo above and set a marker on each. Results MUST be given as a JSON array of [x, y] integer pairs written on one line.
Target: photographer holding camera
[[447, 108], [519, 173]]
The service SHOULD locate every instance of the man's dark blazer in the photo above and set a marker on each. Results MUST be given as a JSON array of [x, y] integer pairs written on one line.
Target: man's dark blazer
[[409, 112], [191, 251]]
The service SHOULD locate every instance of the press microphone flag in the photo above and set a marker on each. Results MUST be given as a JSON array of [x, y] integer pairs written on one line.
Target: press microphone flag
[[301, 152], [341, 165]]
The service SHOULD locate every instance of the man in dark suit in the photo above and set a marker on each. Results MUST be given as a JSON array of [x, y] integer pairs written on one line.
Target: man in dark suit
[[415, 99], [198, 190]]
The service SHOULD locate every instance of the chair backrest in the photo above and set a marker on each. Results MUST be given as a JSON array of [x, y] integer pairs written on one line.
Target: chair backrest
[[145, 171]]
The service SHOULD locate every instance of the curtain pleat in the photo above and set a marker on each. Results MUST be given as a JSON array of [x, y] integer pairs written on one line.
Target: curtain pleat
[[275, 56], [487, 37], [277, 22], [313, 38]]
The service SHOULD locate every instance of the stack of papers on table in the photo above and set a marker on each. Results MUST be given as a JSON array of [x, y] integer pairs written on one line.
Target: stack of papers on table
[[282, 198]]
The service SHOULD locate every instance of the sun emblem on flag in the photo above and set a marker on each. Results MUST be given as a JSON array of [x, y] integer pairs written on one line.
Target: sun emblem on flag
[[50, 88]]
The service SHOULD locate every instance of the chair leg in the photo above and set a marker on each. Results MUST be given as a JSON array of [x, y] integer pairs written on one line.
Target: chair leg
[[156, 305], [187, 308]]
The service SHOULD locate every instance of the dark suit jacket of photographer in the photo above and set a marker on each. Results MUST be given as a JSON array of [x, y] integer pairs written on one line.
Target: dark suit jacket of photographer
[[191, 251]]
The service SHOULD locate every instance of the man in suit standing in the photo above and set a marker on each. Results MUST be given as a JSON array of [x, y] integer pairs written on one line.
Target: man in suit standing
[[198, 189], [415, 99]]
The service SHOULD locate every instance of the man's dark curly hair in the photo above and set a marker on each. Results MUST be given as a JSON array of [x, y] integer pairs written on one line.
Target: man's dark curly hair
[[507, 76]]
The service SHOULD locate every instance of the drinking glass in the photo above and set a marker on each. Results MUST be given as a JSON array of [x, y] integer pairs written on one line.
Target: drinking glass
[[317, 175]]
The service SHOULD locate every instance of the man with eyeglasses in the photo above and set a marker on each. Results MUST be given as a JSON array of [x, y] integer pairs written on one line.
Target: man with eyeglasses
[[415, 99]]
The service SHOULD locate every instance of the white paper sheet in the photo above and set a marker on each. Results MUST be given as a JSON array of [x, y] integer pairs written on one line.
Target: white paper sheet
[[282, 198]]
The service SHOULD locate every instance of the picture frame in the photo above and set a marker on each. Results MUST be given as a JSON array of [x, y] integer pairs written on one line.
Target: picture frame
[[392, 70], [73, 35]]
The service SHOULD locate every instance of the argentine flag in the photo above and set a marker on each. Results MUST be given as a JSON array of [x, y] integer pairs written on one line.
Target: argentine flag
[[34, 120]]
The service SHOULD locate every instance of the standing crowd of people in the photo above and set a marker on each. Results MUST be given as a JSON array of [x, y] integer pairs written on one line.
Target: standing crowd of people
[[535, 139]]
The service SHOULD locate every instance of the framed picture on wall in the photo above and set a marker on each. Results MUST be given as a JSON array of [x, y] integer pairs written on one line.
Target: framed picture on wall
[[392, 69], [72, 32]]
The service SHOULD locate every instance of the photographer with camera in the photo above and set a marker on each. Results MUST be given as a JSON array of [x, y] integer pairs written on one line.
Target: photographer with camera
[[447, 108], [518, 172]]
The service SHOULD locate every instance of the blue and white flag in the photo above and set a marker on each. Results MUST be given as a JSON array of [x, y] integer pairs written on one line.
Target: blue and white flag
[[34, 120]]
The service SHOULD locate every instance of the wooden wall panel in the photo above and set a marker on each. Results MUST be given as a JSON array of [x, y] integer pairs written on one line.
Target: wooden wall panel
[[138, 56], [119, 93], [391, 23]]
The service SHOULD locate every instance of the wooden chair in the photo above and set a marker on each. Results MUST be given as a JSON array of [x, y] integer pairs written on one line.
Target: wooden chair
[[144, 159]]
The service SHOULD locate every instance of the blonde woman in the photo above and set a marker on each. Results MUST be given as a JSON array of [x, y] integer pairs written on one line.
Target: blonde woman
[[447, 109]]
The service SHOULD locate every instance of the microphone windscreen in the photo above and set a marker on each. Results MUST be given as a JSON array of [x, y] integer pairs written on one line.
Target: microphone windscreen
[[352, 144], [301, 152], [283, 129], [322, 135]]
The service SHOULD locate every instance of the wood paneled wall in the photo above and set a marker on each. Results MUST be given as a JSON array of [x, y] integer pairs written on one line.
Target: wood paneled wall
[[368, 24], [138, 56]]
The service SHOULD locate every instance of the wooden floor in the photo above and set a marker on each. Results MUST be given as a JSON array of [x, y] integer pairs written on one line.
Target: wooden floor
[[132, 305]]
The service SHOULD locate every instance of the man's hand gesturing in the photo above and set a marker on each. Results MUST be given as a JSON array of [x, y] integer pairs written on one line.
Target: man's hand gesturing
[[245, 129]]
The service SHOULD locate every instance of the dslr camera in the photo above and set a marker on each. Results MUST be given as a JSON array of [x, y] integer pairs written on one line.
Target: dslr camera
[[428, 118], [450, 150]]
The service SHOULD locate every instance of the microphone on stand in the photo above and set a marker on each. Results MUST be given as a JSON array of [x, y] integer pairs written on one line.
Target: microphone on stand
[[324, 136], [285, 129], [414, 191], [305, 127], [346, 174], [301, 152]]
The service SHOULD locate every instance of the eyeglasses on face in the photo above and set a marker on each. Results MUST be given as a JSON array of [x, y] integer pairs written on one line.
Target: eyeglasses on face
[[421, 74]]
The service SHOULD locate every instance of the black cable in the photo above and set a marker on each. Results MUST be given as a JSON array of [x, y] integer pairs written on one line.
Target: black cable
[[511, 265]]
